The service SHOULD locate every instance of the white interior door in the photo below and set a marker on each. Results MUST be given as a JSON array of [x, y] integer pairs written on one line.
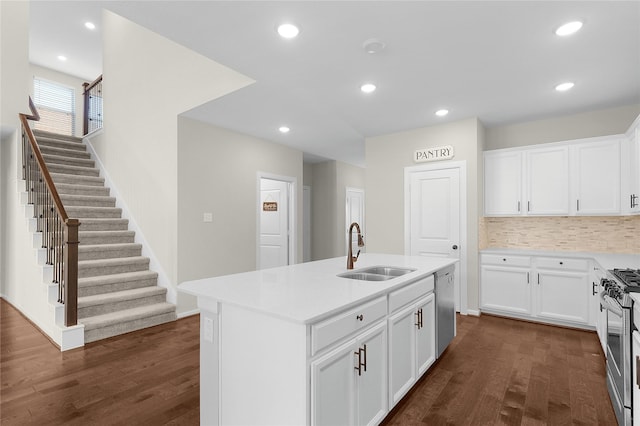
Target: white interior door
[[274, 223], [354, 213], [434, 217]]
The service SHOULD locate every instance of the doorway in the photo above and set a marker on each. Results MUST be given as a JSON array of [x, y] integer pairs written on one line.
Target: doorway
[[275, 221], [435, 218], [354, 213]]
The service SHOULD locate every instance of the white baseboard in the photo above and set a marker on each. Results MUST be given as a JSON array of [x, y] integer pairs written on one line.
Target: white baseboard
[[188, 313], [474, 312]]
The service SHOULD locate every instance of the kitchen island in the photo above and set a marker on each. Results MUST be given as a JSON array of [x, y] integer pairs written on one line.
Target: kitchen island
[[301, 345]]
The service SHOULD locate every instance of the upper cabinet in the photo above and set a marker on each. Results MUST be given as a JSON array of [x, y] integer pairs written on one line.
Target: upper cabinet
[[581, 177], [595, 179], [631, 169]]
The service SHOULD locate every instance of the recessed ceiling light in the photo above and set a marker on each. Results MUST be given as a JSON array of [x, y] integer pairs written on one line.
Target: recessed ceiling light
[[288, 30], [569, 28], [284, 129], [563, 87], [62, 58], [90, 25], [373, 46], [442, 112], [368, 87]]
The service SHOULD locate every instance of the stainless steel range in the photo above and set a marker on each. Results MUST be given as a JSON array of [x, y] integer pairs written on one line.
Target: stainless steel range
[[619, 305]]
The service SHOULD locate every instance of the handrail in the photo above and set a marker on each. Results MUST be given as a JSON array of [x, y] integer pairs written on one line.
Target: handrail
[[59, 232], [87, 95]]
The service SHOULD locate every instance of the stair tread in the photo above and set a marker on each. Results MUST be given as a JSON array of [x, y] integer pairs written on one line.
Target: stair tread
[[114, 261], [93, 170], [115, 278], [56, 136], [64, 152], [109, 246], [51, 158], [135, 293], [87, 197], [60, 175], [126, 315]]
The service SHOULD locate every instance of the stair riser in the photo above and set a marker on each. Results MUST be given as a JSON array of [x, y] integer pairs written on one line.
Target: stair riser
[[94, 191], [88, 202], [107, 308], [75, 146], [71, 153], [120, 286], [108, 254], [94, 271], [114, 330], [78, 180], [70, 170], [94, 214], [65, 161], [105, 239], [48, 135], [104, 226]]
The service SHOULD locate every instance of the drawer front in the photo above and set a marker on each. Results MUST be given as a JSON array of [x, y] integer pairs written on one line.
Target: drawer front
[[506, 260], [342, 325], [563, 263], [411, 292]]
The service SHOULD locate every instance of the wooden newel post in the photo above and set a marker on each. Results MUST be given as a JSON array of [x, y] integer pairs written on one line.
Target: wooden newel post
[[71, 272], [85, 118]]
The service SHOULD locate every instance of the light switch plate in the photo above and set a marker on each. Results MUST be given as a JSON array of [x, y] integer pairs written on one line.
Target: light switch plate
[[208, 330], [207, 217]]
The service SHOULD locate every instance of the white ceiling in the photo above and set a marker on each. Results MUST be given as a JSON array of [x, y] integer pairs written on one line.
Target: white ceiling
[[498, 61]]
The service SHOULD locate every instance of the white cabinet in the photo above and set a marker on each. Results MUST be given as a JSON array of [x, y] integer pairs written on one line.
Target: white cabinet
[[547, 289], [411, 345], [562, 290], [631, 197], [580, 177], [596, 178], [349, 383], [505, 284], [503, 183], [599, 314], [547, 181]]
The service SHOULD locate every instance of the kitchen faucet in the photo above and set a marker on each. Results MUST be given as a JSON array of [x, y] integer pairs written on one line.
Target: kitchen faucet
[[350, 258]]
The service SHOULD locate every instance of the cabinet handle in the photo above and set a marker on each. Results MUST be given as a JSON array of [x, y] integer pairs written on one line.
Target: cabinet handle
[[417, 314], [528, 206], [538, 279], [634, 203], [364, 349], [420, 316], [359, 365], [562, 263], [360, 317], [577, 205], [527, 278], [593, 289], [518, 206]]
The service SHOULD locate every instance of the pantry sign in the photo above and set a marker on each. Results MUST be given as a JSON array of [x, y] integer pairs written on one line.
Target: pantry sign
[[436, 153]]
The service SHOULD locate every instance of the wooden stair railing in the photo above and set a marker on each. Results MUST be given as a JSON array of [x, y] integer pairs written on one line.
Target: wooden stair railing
[[59, 232]]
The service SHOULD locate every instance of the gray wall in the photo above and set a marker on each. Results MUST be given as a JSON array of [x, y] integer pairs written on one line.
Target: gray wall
[[386, 158], [218, 173], [585, 125]]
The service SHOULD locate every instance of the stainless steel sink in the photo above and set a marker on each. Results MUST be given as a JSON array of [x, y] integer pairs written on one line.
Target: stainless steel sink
[[392, 271], [377, 273], [365, 276]]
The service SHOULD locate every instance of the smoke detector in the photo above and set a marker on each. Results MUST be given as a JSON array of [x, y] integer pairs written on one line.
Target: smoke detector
[[373, 46]]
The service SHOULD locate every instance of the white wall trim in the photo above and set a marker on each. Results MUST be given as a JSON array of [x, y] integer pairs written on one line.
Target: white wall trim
[[293, 218], [154, 264], [473, 312], [462, 166], [188, 313]]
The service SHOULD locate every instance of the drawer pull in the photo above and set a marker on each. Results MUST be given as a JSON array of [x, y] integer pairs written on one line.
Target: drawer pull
[[562, 263], [360, 317], [504, 260]]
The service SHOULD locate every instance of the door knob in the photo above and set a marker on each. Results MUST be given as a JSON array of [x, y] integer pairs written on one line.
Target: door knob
[[455, 247]]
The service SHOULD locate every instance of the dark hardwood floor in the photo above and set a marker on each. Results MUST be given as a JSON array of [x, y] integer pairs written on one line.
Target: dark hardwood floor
[[496, 371]]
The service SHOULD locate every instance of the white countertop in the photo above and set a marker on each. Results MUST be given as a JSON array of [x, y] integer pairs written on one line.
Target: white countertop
[[605, 260], [309, 292]]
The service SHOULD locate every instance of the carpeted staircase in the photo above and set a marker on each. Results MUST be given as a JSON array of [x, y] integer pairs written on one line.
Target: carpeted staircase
[[117, 293]]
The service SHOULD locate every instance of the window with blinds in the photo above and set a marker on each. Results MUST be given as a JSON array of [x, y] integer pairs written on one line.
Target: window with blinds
[[56, 105]]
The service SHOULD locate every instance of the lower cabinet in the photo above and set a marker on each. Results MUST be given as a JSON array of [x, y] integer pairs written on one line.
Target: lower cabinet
[[412, 343], [549, 289], [349, 384]]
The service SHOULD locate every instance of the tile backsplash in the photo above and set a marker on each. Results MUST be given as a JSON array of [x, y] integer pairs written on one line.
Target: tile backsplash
[[598, 234]]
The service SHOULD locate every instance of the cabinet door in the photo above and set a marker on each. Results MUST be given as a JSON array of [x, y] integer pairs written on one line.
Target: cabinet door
[[505, 290], [502, 183], [372, 379], [547, 181], [596, 177], [426, 335], [563, 296], [402, 353], [635, 380], [634, 170], [333, 387]]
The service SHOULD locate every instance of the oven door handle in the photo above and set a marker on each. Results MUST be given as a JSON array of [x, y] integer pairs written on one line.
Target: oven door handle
[[611, 304]]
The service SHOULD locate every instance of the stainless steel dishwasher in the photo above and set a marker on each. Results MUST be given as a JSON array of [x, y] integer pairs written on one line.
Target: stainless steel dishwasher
[[445, 308]]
